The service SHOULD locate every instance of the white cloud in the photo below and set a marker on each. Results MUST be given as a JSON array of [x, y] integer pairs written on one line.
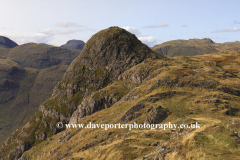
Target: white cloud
[[156, 25], [43, 36], [184, 25], [66, 24], [68, 31], [36, 38], [50, 32], [236, 22], [235, 29], [132, 30], [148, 40]]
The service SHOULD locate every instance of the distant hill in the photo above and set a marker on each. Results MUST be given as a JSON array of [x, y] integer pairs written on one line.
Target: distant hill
[[7, 43], [74, 44], [193, 47], [39, 55]]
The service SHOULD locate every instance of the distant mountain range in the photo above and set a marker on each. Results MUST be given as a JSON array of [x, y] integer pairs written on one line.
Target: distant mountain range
[[194, 47]]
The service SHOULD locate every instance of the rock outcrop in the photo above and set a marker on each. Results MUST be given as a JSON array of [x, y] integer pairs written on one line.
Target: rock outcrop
[[132, 113], [156, 116], [90, 105]]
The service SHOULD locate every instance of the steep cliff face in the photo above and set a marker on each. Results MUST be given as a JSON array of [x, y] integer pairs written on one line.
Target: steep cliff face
[[105, 56]]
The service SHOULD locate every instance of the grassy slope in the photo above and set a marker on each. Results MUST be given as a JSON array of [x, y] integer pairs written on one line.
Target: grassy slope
[[197, 81]]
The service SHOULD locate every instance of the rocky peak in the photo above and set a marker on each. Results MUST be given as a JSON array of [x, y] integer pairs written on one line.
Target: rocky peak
[[105, 56], [7, 43], [114, 49]]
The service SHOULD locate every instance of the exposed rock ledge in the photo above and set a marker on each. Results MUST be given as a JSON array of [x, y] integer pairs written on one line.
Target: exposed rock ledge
[[90, 105]]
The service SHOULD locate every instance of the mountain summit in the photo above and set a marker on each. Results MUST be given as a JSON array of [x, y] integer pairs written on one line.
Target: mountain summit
[[114, 49], [7, 43]]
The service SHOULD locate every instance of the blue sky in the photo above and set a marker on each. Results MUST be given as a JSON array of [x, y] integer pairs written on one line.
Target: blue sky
[[153, 21]]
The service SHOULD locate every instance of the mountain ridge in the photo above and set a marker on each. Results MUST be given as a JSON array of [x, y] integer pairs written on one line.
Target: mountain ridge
[[39, 55]]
